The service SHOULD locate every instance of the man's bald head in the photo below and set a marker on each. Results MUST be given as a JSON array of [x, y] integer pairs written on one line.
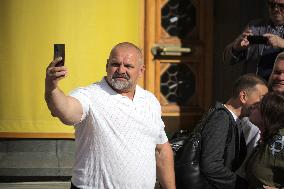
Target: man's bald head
[[127, 46]]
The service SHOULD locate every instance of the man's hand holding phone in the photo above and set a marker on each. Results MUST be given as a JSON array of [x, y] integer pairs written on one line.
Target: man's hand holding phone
[[54, 74], [56, 70], [267, 39]]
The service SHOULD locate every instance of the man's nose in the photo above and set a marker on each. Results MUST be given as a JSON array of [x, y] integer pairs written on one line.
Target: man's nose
[[278, 77], [121, 69]]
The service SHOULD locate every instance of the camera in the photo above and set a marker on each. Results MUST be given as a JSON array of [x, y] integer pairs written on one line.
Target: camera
[[257, 39]]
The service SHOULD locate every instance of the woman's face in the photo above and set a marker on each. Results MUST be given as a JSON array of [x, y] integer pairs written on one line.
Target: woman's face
[[255, 115]]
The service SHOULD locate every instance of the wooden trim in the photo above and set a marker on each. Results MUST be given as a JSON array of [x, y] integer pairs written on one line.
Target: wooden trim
[[149, 38], [141, 81], [157, 79], [206, 36], [37, 135], [158, 20]]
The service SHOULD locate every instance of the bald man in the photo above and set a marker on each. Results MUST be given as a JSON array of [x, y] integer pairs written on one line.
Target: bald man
[[119, 133]]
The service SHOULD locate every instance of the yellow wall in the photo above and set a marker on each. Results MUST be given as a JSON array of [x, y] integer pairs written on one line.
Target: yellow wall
[[28, 30]]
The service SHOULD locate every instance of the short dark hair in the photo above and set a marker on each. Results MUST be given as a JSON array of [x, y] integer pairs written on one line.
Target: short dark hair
[[272, 111], [246, 83]]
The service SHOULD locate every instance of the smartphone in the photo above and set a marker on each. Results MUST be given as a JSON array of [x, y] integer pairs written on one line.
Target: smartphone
[[59, 51], [257, 39]]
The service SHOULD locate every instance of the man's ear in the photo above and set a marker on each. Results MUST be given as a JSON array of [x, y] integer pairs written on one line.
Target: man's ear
[[141, 71], [107, 63], [243, 96]]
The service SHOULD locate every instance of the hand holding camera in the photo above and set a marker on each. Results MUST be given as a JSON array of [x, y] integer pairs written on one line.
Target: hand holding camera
[[274, 40]]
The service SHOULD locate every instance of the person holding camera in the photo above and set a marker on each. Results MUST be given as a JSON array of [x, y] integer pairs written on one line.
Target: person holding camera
[[259, 44]]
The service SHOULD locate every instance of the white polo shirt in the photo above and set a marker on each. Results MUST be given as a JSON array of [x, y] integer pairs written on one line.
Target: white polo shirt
[[116, 138]]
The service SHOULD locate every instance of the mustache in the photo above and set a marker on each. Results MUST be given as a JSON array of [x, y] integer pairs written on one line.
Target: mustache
[[118, 75]]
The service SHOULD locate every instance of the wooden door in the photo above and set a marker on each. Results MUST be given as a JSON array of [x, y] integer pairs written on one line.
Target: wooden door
[[178, 57]]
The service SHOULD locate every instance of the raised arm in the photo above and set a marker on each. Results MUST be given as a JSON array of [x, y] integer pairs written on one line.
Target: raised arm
[[234, 52], [66, 108], [165, 166]]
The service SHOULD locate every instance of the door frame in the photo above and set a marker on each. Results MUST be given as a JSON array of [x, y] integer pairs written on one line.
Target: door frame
[[152, 22]]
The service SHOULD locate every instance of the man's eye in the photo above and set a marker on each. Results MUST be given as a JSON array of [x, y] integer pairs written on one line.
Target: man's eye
[[114, 64], [129, 66]]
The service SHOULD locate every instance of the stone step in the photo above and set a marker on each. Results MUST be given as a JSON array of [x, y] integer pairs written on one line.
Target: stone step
[[36, 157], [35, 185]]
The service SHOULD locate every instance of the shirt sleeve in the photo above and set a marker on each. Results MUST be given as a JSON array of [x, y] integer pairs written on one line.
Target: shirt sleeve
[[231, 57], [162, 139], [155, 104], [162, 135], [81, 94]]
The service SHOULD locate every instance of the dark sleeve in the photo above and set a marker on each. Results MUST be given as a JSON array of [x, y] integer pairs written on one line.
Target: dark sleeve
[[230, 57], [214, 136]]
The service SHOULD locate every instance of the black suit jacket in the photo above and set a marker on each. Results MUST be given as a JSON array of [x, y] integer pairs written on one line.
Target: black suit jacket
[[220, 149]]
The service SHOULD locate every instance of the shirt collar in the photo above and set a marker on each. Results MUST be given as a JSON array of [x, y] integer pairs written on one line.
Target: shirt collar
[[233, 114]]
